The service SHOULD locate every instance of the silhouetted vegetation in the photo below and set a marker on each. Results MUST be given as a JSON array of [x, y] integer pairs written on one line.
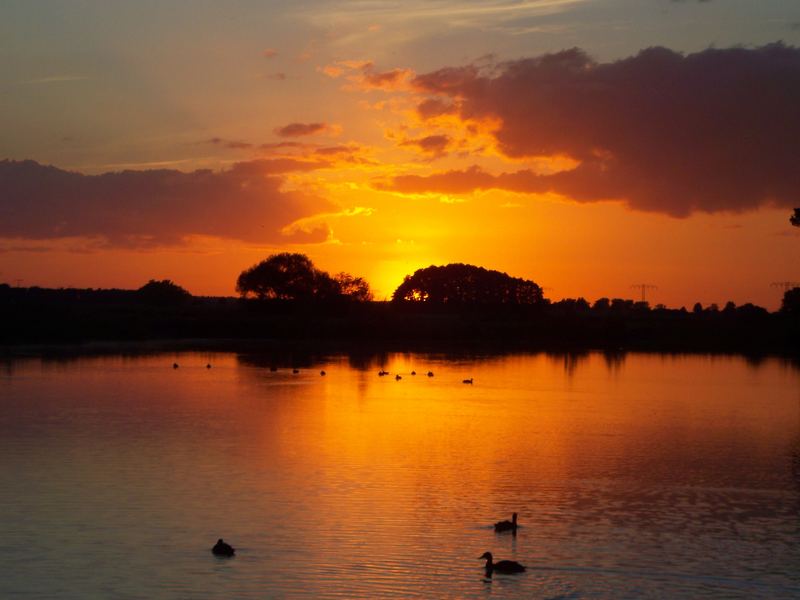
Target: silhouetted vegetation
[[795, 218], [466, 285], [791, 301], [293, 277], [163, 292], [299, 303]]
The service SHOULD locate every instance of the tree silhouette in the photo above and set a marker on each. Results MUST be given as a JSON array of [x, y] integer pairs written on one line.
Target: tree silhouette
[[791, 301], [292, 276], [355, 288], [467, 285], [286, 276], [163, 292], [795, 218]]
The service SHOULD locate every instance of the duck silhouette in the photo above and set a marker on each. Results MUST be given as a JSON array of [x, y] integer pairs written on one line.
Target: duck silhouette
[[322, 373], [469, 381], [507, 525], [413, 372], [397, 377], [295, 371], [222, 549], [208, 365], [174, 365], [430, 373], [507, 567]]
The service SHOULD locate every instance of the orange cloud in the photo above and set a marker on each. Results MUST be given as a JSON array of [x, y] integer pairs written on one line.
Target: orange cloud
[[362, 74]]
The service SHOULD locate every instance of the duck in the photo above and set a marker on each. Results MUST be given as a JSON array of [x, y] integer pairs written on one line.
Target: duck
[[430, 373], [208, 365], [413, 372], [322, 373], [222, 549], [467, 381], [273, 368], [295, 371], [397, 377], [501, 566], [507, 525], [174, 365]]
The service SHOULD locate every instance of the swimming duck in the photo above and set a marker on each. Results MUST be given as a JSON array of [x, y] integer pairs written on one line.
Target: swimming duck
[[430, 373], [222, 549], [174, 365], [507, 525], [467, 380], [322, 373], [413, 372], [295, 371], [501, 566], [397, 378], [208, 365]]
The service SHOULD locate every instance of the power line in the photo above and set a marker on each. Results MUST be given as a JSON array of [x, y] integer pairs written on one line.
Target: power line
[[644, 287]]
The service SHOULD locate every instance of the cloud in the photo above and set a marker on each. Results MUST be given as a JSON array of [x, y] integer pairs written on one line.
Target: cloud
[[301, 129], [362, 74], [155, 207], [434, 107], [269, 53], [54, 79], [435, 145], [716, 130], [232, 144]]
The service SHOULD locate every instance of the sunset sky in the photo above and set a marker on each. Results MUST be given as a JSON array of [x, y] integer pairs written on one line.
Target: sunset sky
[[585, 144]]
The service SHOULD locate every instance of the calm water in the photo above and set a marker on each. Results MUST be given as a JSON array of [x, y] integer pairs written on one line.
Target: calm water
[[645, 477]]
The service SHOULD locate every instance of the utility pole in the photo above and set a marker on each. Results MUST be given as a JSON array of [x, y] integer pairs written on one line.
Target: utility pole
[[644, 287], [786, 285]]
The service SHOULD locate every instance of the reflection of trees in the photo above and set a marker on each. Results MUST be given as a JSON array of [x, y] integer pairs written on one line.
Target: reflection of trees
[[570, 360], [614, 359]]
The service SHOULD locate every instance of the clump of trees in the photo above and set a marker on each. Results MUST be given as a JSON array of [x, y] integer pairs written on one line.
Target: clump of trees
[[460, 284], [163, 292], [293, 276], [791, 301]]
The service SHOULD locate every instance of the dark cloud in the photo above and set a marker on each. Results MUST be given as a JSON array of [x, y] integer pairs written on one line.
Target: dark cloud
[[233, 144], [155, 207], [434, 107], [432, 144], [711, 131], [300, 129]]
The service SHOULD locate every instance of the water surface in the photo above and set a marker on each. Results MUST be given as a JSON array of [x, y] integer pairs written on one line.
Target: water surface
[[646, 476]]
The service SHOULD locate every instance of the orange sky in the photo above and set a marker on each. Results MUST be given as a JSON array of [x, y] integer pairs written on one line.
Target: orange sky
[[382, 141]]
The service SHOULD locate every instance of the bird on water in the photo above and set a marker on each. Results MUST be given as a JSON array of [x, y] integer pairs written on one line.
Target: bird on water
[[501, 566], [430, 373], [507, 525], [174, 365], [322, 373], [468, 381], [222, 549]]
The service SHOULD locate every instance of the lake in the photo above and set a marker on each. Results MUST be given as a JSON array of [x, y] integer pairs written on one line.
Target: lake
[[634, 476]]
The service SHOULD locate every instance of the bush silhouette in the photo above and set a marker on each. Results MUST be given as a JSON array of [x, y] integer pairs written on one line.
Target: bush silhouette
[[462, 284]]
